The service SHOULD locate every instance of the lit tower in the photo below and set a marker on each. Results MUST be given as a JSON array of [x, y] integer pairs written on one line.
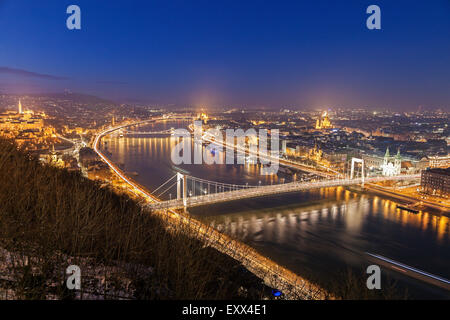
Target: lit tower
[[398, 162], [20, 107], [386, 157]]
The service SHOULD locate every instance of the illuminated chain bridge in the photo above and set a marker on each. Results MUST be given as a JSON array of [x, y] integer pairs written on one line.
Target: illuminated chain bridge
[[162, 132], [192, 191]]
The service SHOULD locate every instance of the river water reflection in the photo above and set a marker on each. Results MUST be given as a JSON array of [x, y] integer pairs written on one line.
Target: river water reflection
[[317, 233]]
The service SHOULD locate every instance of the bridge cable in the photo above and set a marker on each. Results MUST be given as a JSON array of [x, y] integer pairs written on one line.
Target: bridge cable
[[166, 189], [152, 193]]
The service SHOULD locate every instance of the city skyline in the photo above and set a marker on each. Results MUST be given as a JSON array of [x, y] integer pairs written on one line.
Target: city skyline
[[241, 55]]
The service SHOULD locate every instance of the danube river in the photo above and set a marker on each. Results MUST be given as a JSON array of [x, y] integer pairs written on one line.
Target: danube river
[[319, 234]]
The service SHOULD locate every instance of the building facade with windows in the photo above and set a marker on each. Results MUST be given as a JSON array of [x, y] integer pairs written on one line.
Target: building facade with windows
[[436, 181]]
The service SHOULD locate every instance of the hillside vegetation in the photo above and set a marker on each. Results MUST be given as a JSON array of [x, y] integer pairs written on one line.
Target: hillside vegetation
[[51, 218]]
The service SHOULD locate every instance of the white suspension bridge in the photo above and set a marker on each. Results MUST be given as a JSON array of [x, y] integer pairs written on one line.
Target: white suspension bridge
[[192, 191]]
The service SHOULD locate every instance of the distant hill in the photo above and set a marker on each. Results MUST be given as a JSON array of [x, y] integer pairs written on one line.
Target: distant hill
[[76, 97]]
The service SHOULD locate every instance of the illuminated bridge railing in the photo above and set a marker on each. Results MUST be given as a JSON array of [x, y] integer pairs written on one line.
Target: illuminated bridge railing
[[259, 191], [165, 132]]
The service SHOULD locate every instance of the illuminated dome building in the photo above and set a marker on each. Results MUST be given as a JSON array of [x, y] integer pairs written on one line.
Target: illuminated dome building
[[203, 116], [324, 122]]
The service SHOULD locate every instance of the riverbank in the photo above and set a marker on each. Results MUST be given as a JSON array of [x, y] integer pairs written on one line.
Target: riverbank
[[436, 208]]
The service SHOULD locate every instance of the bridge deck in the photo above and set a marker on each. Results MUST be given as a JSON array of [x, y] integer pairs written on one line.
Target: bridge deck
[[266, 190]]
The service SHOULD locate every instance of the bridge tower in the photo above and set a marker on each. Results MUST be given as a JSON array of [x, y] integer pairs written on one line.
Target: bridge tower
[[179, 179], [352, 171], [182, 185]]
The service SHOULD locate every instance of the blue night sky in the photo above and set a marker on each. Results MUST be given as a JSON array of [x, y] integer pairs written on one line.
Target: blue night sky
[[300, 54]]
